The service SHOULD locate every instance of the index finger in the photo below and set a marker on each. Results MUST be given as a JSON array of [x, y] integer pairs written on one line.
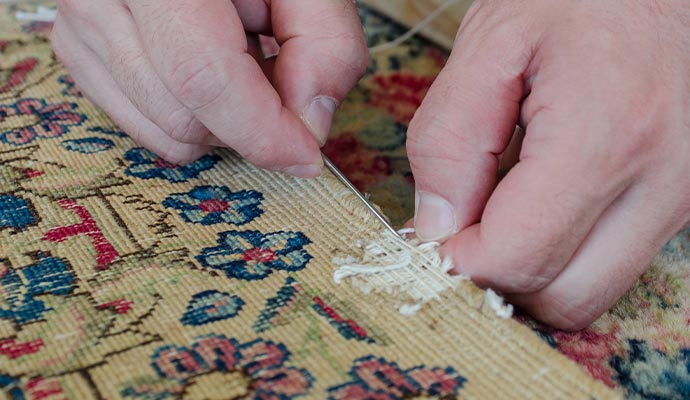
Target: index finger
[[199, 50]]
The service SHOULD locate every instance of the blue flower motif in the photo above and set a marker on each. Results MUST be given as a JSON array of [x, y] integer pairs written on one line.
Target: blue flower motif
[[209, 306], [208, 205], [647, 373], [50, 120], [147, 165], [251, 255], [49, 275], [15, 212]]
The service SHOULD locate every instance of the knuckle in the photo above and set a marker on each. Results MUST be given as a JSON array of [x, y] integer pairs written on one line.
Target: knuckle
[[563, 313], [354, 53], [194, 81], [431, 134], [531, 260], [183, 127], [122, 58], [76, 12], [521, 281], [262, 155]]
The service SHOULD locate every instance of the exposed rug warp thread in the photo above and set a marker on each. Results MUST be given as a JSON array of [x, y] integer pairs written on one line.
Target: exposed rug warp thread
[[123, 276]]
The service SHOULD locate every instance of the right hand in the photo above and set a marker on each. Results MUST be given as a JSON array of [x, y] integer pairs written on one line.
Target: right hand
[[179, 76]]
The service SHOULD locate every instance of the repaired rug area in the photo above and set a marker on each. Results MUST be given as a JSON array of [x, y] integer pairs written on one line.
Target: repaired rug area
[[640, 347], [123, 276]]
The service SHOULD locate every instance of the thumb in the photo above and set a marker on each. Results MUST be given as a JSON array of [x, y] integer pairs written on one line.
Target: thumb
[[323, 54], [463, 125]]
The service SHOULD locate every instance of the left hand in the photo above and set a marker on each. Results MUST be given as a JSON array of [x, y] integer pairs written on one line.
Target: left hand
[[603, 91]]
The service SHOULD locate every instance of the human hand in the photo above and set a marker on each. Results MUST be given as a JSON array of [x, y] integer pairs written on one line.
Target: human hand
[[179, 75], [603, 90]]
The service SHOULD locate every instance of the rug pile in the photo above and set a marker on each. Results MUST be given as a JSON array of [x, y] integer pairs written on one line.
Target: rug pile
[[123, 276]]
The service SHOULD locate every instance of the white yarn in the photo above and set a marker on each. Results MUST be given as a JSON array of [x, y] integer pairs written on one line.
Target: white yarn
[[414, 30], [496, 303], [42, 14], [395, 266], [45, 14]]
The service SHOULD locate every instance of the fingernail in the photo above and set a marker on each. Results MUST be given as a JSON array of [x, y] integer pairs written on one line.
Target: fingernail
[[318, 116], [434, 217], [304, 171]]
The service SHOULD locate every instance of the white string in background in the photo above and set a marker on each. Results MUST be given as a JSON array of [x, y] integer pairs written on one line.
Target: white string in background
[[45, 14], [413, 31], [42, 14]]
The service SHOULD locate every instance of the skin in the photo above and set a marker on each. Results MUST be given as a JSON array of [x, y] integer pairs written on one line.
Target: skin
[[180, 76], [601, 89]]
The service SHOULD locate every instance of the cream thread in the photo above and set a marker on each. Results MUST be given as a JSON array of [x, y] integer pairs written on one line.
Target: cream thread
[[42, 14], [411, 268], [498, 305], [412, 31]]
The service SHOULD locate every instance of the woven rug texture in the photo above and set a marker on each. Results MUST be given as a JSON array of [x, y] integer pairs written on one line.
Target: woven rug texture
[[123, 276], [641, 346]]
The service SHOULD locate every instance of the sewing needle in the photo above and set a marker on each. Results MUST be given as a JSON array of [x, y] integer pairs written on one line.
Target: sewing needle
[[342, 178]]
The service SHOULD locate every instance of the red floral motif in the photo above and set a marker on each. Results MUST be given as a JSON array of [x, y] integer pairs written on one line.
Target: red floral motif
[[18, 73], [41, 389], [32, 173], [261, 361], [364, 167], [399, 93], [347, 327], [592, 348], [121, 306], [213, 205], [13, 349], [258, 254], [378, 379], [106, 251]]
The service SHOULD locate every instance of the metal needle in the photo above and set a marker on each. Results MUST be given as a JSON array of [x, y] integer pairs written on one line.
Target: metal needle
[[342, 178]]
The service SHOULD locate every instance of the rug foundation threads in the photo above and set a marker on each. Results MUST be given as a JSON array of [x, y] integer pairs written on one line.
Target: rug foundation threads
[[498, 305], [410, 270]]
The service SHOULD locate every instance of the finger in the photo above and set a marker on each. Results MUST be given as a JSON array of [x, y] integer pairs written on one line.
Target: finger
[[613, 256], [463, 124], [255, 49], [117, 45], [577, 157], [534, 221], [255, 15], [200, 53], [96, 83], [322, 55], [579, 153]]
